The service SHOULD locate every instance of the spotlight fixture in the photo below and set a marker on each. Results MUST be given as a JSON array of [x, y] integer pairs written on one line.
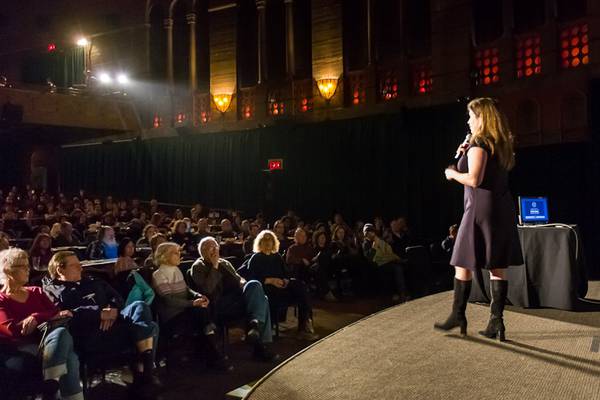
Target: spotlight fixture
[[82, 42], [105, 78], [122, 79]]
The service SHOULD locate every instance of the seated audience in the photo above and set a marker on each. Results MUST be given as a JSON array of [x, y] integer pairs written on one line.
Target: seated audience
[[232, 297], [147, 233], [127, 278], [125, 261], [227, 231], [267, 266], [324, 265], [448, 243], [398, 236], [40, 251], [178, 306], [155, 241], [249, 242], [4, 243], [105, 246], [281, 234], [180, 236], [389, 270], [22, 310], [65, 237], [101, 322], [299, 256], [201, 230]]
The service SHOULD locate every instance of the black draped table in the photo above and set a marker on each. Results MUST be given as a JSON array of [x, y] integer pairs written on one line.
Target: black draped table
[[553, 275]]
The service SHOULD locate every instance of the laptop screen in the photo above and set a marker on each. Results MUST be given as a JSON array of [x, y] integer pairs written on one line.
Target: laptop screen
[[533, 210]]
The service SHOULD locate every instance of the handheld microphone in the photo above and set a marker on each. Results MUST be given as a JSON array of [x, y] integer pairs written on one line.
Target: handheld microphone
[[467, 138]]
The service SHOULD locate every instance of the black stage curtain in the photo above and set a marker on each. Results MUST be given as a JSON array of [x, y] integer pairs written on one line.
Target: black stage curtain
[[384, 165]]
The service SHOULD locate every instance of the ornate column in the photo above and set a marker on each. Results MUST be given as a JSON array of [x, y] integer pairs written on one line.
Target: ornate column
[[191, 20], [261, 6], [290, 52], [170, 74]]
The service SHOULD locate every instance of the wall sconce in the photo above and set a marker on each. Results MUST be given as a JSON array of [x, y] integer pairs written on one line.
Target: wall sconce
[[222, 102], [327, 88]]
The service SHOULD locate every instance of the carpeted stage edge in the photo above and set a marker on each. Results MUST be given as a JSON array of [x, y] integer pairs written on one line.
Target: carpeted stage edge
[[396, 354]]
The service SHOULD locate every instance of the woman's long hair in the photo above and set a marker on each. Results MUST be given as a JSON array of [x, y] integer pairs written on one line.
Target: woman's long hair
[[35, 246], [494, 132]]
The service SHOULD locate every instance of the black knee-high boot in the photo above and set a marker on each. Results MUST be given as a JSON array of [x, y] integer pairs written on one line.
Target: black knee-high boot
[[457, 317], [499, 289]]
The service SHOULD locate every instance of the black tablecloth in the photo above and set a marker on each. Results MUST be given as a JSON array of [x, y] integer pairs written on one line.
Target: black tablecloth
[[553, 274]]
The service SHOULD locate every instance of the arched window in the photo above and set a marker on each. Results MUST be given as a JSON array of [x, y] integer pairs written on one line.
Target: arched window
[[568, 10], [247, 46], [573, 113], [528, 15], [417, 27], [528, 118], [158, 44], [355, 34], [388, 29], [202, 46], [303, 39], [487, 21], [275, 40], [181, 45]]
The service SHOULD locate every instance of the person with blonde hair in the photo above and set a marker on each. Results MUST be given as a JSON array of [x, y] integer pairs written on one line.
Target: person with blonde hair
[[487, 237], [22, 310], [180, 307], [267, 266]]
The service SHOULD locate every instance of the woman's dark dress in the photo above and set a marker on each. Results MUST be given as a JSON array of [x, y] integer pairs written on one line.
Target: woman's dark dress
[[487, 237]]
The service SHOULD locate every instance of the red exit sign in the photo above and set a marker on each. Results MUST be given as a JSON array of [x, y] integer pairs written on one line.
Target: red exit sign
[[275, 164]]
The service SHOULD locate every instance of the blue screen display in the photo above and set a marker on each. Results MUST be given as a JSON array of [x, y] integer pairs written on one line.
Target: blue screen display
[[534, 209]]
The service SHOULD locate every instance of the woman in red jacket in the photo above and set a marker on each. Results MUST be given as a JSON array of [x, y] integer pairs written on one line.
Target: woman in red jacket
[[22, 310]]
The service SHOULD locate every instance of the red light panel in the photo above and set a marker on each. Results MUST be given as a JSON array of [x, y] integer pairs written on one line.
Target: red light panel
[[276, 164]]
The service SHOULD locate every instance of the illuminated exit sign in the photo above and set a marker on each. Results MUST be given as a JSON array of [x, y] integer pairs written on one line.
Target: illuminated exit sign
[[276, 164]]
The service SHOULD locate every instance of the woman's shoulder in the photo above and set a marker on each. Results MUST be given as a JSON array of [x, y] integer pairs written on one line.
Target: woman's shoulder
[[478, 142]]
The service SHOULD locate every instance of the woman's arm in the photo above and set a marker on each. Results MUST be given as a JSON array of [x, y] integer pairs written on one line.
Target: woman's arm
[[477, 158]]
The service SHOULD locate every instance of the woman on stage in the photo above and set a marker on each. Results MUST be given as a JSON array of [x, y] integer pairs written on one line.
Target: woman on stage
[[487, 237]]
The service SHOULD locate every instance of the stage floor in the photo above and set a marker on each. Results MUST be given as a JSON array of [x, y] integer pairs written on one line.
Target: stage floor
[[396, 354]]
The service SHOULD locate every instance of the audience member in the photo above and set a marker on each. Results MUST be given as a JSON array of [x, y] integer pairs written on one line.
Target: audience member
[[101, 322], [147, 233], [448, 242], [179, 306], [267, 266], [299, 256], [41, 252], [231, 296], [389, 270], [22, 310], [65, 238], [105, 246]]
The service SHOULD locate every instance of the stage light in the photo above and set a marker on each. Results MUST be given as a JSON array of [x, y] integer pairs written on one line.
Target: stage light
[[327, 87], [222, 102], [123, 79], [105, 78], [82, 42]]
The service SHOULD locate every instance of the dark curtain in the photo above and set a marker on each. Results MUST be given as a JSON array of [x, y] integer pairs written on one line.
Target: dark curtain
[[384, 165]]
